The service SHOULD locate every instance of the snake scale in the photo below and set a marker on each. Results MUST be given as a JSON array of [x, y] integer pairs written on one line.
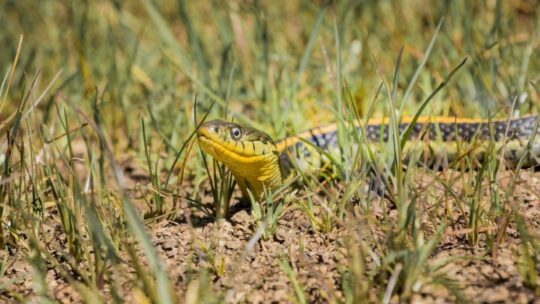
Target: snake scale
[[258, 163]]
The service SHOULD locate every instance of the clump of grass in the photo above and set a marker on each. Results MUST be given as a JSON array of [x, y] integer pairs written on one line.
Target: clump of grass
[[157, 201], [75, 89], [267, 212], [222, 186]]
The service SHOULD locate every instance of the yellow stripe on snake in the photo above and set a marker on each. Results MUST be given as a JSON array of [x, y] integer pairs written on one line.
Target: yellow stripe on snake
[[258, 163]]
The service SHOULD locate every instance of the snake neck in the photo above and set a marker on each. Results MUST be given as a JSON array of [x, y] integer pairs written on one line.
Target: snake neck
[[259, 177]]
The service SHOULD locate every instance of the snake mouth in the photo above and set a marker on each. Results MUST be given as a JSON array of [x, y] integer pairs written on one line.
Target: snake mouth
[[230, 153], [221, 151], [217, 149], [206, 144], [220, 147]]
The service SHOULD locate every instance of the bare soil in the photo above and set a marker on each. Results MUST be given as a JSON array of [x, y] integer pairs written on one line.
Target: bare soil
[[243, 267]]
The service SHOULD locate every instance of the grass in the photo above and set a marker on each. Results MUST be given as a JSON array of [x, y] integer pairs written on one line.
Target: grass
[[89, 87]]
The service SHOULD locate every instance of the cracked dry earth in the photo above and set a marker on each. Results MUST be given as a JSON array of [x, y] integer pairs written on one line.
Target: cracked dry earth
[[240, 267]]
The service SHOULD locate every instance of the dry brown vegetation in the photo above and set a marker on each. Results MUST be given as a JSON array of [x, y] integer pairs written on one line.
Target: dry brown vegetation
[[105, 196]]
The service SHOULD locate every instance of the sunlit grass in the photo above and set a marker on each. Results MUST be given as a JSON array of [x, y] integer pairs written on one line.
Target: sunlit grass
[[96, 84]]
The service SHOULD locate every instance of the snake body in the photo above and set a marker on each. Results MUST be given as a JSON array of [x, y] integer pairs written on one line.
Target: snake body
[[259, 163]]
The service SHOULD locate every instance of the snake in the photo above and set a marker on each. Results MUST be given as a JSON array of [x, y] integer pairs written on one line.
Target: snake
[[259, 164]]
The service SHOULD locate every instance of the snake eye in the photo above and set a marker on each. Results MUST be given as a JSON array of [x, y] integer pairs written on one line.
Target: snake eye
[[236, 133]]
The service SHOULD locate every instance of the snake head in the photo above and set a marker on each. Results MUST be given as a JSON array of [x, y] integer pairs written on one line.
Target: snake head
[[236, 140], [250, 154]]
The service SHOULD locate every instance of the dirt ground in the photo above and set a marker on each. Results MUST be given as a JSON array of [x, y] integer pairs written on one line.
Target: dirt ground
[[242, 267]]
